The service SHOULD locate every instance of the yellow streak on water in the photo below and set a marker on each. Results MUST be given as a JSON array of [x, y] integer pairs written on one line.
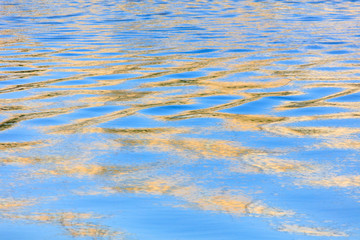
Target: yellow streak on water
[[74, 223], [321, 102], [20, 160], [341, 144], [321, 232], [195, 147], [319, 132], [205, 199], [234, 205], [261, 163], [337, 181], [7, 204], [22, 145]]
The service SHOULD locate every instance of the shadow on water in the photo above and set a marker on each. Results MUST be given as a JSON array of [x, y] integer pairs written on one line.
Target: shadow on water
[[179, 120]]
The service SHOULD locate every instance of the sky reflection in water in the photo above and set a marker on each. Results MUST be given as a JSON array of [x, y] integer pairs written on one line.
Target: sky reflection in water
[[179, 120]]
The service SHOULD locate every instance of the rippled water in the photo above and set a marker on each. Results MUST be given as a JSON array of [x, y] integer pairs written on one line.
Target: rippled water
[[216, 120]]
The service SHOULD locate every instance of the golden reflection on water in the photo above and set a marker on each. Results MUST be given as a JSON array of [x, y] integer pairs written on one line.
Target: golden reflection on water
[[81, 95], [321, 232], [338, 181], [9, 146], [8, 204], [204, 199], [73, 223]]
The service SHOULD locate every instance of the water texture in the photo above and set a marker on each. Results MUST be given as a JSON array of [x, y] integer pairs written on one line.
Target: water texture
[[164, 120]]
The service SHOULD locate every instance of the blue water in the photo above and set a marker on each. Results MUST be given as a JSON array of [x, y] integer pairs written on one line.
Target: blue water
[[155, 120]]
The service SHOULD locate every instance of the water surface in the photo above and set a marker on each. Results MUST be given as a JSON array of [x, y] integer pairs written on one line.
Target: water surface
[[179, 120]]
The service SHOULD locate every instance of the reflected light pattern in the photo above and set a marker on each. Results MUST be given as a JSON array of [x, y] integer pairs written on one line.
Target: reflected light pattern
[[179, 120]]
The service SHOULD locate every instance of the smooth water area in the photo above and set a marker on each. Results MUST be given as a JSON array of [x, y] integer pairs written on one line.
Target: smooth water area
[[186, 120]]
